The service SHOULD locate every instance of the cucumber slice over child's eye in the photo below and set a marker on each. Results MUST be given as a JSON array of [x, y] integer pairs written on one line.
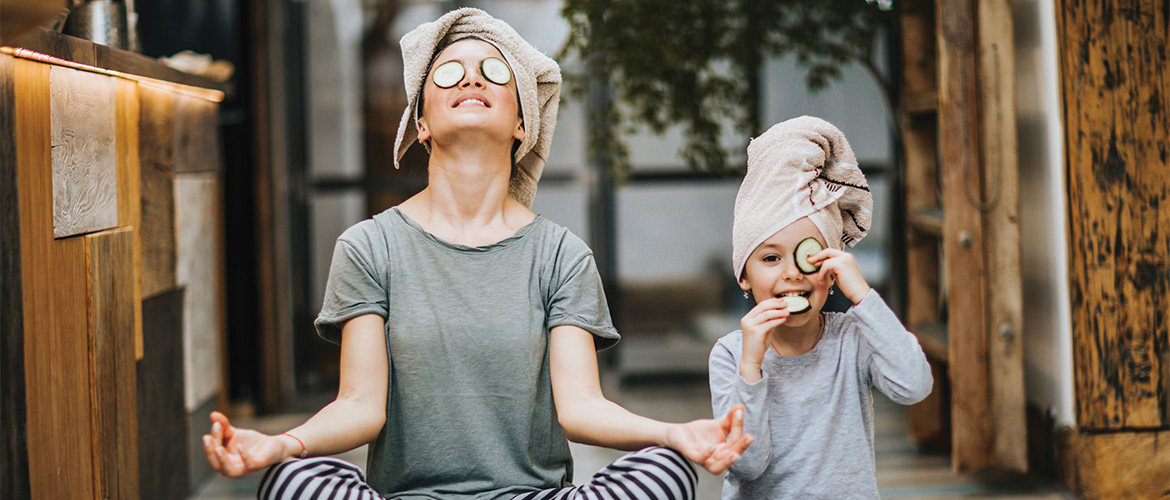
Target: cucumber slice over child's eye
[[797, 305], [807, 247], [448, 74], [495, 70]]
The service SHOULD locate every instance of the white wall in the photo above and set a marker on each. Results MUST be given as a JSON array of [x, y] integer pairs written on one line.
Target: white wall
[[1048, 370]]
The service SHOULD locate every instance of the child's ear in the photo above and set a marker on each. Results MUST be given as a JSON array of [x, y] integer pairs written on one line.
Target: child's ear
[[743, 284]]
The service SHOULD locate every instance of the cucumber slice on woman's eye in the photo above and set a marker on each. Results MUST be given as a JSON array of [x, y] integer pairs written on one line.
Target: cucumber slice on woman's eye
[[797, 305], [807, 247], [495, 70], [448, 74]]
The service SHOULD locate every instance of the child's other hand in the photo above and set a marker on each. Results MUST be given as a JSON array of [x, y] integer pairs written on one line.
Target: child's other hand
[[713, 444], [756, 324], [842, 267]]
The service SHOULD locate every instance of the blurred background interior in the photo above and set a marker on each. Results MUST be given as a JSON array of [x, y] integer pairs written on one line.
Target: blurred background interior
[[1016, 154]]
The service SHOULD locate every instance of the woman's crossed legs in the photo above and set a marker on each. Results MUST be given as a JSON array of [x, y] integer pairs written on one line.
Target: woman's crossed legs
[[653, 473]]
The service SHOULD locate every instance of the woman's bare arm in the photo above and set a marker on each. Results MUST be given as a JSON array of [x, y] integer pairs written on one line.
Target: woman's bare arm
[[589, 418], [354, 418]]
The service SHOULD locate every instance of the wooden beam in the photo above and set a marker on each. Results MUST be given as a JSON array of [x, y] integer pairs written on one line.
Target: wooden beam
[[13, 436], [200, 270], [130, 189], [998, 151], [1116, 85], [85, 185], [110, 302], [963, 240], [1114, 464], [162, 418], [54, 281], [157, 160]]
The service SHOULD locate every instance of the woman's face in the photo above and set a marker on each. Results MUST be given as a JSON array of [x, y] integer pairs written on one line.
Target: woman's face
[[474, 102]]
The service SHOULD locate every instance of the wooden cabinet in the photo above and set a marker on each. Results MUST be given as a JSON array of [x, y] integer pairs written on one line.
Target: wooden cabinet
[[88, 184]]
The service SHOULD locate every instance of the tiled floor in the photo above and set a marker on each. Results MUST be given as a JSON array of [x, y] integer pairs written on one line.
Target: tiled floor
[[902, 471]]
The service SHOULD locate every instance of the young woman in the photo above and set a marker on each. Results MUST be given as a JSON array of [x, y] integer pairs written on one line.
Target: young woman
[[468, 323]]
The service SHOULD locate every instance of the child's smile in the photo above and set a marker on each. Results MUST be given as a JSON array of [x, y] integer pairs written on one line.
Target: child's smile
[[771, 271]]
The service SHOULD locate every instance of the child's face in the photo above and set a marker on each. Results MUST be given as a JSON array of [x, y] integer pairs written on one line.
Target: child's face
[[770, 271]]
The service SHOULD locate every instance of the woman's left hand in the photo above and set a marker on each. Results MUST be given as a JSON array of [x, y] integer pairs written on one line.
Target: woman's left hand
[[842, 267], [713, 444]]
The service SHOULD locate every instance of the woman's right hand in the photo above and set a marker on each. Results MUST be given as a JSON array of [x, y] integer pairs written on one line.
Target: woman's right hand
[[756, 325], [235, 452]]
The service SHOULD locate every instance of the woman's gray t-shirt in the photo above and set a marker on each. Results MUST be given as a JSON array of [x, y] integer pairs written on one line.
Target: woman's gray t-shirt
[[470, 411]]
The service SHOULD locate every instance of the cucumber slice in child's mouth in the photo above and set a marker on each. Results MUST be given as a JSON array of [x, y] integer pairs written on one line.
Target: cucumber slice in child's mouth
[[797, 304], [807, 247]]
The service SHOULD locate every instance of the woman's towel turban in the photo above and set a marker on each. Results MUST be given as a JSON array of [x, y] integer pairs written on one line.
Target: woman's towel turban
[[538, 80], [801, 167]]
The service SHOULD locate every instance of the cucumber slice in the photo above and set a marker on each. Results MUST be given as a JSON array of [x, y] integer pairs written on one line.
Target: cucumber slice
[[495, 70], [448, 74], [797, 305], [805, 249]]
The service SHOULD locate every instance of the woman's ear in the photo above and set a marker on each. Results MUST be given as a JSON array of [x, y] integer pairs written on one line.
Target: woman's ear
[[424, 134], [519, 134]]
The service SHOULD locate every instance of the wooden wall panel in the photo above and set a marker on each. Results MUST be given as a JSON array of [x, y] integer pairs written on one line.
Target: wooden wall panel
[[54, 280], [963, 239], [13, 439], [162, 416], [1117, 121], [1000, 208], [130, 189], [84, 155], [110, 262], [197, 146], [156, 156], [200, 270]]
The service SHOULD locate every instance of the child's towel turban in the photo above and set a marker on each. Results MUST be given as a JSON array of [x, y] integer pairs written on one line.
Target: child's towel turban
[[538, 79], [802, 167]]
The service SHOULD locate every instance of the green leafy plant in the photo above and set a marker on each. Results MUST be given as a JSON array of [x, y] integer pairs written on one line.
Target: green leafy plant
[[698, 63]]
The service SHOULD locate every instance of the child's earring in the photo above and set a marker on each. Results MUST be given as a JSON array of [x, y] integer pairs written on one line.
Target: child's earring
[[746, 295], [830, 291]]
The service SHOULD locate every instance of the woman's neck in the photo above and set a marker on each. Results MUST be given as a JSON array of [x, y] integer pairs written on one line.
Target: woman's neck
[[797, 340], [466, 200]]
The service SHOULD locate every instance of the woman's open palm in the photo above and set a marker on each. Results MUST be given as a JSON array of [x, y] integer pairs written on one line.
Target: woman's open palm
[[234, 452], [713, 444]]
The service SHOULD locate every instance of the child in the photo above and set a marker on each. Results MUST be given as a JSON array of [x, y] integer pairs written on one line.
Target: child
[[805, 375]]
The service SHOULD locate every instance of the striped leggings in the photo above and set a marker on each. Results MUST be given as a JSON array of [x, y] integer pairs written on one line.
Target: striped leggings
[[653, 473]]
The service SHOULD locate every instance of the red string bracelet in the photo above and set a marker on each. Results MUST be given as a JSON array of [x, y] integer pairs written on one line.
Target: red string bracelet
[[304, 452]]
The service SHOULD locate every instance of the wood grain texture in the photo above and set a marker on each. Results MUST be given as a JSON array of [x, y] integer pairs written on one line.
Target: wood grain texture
[[1115, 464], [110, 269], [130, 189], [200, 270], [963, 239], [54, 280], [13, 437], [998, 152], [85, 196], [197, 145], [55, 44], [1116, 82], [162, 419], [156, 159]]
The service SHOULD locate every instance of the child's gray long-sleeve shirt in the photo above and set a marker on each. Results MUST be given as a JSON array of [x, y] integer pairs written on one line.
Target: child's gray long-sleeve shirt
[[812, 414]]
